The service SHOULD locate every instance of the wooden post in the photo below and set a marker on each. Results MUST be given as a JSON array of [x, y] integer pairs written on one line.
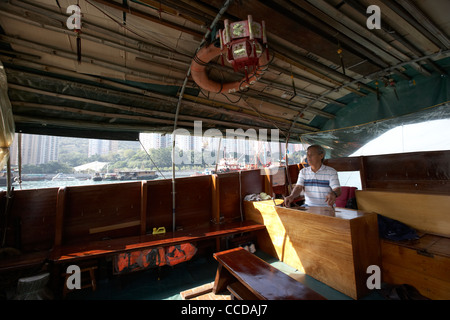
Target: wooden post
[[215, 203], [144, 195], [59, 223], [362, 172]]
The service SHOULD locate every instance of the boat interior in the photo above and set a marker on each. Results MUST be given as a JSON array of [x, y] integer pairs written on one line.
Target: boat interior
[[93, 225], [322, 72]]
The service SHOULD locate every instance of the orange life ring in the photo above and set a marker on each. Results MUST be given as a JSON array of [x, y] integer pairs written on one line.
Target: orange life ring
[[198, 72]]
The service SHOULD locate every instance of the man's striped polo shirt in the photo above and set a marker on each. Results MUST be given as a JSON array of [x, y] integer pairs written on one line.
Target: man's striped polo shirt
[[318, 184]]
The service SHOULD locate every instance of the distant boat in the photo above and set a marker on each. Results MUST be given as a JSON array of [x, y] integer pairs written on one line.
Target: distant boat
[[205, 172], [97, 177], [138, 175], [227, 165], [111, 176], [63, 177]]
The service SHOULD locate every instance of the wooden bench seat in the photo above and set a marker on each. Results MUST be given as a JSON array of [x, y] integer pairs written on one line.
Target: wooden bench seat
[[261, 280], [22, 261], [96, 249], [423, 263]]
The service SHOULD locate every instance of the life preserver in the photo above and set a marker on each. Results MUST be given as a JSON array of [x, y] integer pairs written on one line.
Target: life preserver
[[198, 72], [139, 260], [180, 253]]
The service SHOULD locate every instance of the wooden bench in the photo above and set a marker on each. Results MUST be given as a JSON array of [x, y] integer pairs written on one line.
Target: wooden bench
[[422, 263], [23, 261], [102, 248], [248, 277]]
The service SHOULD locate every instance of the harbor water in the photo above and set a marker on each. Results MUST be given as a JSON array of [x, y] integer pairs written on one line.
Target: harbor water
[[346, 179], [85, 181]]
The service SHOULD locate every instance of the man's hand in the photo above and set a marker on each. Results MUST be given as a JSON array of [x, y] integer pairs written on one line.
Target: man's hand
[[287, 201], [331, 198], [294, 194]]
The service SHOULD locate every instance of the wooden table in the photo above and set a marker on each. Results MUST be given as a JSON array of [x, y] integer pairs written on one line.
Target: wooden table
[[253, 278], [333, 246]]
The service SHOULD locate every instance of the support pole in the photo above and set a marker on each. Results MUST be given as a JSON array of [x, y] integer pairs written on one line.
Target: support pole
[[180, 98]]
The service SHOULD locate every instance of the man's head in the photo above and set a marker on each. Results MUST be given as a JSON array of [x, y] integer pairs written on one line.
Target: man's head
[[315, 155]]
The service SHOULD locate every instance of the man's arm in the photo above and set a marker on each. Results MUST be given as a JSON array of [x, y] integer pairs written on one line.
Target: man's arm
[[294, 194]]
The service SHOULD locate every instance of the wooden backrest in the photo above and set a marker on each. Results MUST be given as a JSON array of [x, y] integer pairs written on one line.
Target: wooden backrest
[[252, 181], [409, 172], [425, 212], [229, 189], [293, 171], [420, 172], [229, 196], [31, 221], [192, 203], [101, 211], [159, 204]]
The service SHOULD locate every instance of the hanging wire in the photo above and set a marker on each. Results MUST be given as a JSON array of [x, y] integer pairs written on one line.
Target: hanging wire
[[113, 19], [151, 159], [180, 98]]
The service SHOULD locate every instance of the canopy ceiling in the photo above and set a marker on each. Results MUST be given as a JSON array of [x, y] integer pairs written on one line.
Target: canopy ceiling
[[135, 55]]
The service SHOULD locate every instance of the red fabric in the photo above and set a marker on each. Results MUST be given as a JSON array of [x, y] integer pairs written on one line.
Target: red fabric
[[346, 193]]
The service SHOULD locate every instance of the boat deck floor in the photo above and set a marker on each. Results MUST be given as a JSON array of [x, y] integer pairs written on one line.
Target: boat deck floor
[[172, 283]]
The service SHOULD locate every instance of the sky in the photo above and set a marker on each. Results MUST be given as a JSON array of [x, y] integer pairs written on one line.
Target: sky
[[426, 136]]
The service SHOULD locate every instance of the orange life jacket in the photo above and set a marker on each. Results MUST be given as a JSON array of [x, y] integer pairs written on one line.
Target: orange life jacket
[[180, 253]]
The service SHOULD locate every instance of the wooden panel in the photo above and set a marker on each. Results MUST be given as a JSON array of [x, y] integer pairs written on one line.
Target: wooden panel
[[35, 210], [106, 205], [159, 204], [428, 274], [363, 233], [426, 212], [412, 186], [293, 173], [115, 226], [410, 172], [333, 247], [193, 201], [344, 164], [230, 208]]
